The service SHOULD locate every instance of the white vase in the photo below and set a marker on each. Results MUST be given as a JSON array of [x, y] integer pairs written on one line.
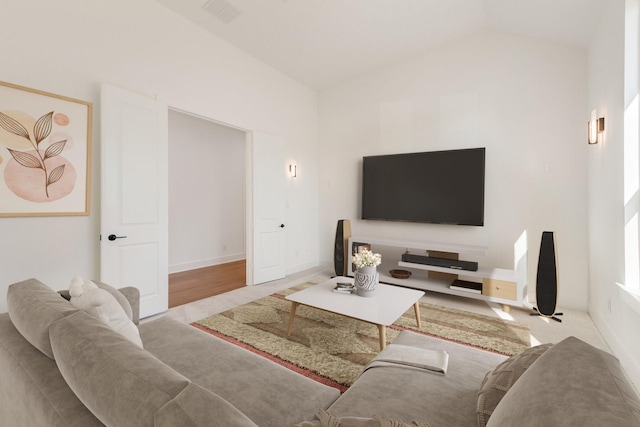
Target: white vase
[[366, 281]]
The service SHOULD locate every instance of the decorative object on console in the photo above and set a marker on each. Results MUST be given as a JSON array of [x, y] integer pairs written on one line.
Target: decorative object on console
[[366, 279], [357, 247], [596, 127], [400, 274], [547, 279], [340, 247]]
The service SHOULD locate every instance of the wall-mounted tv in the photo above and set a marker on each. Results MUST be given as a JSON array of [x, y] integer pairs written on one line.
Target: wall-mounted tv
[[441, 187]]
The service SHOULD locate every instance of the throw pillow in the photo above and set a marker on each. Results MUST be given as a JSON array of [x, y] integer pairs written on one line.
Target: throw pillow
[[117, 294], [326, 419], [571, 384], [498, 382], [88, 297]]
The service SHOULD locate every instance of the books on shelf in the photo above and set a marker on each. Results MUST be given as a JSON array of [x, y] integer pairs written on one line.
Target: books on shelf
[[464, 285], [344, 288]]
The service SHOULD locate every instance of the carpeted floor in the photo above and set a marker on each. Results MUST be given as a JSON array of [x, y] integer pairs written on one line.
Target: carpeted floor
[[333, 349]]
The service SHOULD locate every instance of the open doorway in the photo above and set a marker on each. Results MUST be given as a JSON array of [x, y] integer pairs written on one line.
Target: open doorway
[[207, 208]]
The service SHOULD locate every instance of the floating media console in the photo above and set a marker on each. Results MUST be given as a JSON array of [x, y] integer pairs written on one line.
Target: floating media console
[[440, 267]]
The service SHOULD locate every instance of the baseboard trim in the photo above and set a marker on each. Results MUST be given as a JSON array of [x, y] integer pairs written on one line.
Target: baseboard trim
[[192, 265], [628, 361], [292, 269]]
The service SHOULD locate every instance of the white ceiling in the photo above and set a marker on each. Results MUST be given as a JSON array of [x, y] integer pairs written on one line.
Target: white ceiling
[[324, 42]]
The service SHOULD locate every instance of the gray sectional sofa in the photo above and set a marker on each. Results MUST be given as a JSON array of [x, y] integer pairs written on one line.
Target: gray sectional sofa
[[62, 367]]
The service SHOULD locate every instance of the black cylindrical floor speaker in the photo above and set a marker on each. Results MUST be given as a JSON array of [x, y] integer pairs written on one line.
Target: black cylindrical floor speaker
[[340, 246], [547, 278]]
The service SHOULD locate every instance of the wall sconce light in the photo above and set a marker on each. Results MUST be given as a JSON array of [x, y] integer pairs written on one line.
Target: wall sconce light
[[293, 171], [596, 127]]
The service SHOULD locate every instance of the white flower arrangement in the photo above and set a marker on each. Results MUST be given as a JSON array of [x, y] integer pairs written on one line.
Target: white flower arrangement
[[366, 258]]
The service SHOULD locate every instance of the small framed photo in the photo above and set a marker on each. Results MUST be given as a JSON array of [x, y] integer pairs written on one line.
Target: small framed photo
[[357, 247]]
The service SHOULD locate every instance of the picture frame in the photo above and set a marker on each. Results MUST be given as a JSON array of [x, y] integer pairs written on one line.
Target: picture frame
[[45, 153], [357, 247]]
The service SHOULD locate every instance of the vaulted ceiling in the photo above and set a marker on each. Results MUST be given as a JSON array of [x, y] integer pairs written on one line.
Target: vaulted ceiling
[[324, 42]]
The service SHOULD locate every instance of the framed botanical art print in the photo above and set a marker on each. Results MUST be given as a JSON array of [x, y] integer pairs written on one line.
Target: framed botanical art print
[[45, 153]]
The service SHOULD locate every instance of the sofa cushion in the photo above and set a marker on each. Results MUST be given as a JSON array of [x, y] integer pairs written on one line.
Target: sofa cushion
[[407, 394], [267, 393], [498, 382], [32, 390], [196, 406], [33, 307], [571, 384], [120, 383]]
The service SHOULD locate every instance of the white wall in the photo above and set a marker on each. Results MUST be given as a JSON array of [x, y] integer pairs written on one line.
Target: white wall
[[606, 199], [206, 193], [69, 47], [522, 99]]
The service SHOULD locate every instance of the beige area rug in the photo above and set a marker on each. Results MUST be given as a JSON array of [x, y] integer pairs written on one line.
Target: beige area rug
[[333, 349]]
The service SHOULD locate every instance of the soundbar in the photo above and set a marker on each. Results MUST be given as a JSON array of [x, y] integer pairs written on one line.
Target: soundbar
[[440, 262]]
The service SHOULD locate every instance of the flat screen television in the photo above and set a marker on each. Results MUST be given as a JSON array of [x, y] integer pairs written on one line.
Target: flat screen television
[[440, 187]]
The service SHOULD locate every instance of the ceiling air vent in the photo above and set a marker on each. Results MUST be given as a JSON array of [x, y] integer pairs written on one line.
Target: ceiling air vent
[[222, 9]]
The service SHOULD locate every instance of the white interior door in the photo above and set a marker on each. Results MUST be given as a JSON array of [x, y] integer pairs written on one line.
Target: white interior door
[[134, 187], [269, 172]]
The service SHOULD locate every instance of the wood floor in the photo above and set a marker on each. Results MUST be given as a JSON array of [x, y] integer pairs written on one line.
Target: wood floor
[[193, 285]]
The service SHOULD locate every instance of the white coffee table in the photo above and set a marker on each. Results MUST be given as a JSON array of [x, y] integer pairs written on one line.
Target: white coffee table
[[382, 309]]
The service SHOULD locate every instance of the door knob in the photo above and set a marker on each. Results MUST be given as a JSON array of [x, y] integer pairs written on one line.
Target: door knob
[[281, 225], [113, 237]]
